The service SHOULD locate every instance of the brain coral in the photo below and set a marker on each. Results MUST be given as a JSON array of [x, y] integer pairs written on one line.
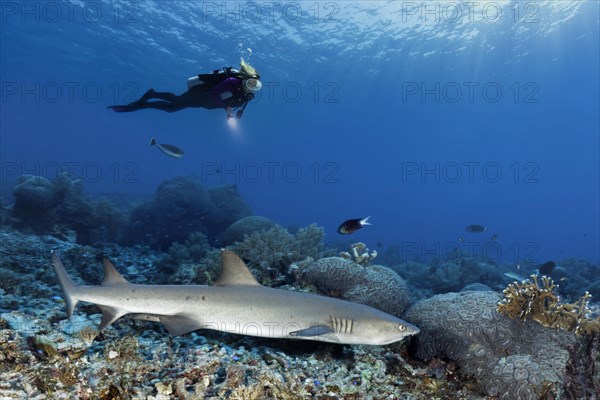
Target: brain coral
[[512, 359], [375, 285]]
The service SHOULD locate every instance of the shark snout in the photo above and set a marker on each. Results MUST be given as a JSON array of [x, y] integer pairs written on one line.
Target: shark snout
[[410, 329]]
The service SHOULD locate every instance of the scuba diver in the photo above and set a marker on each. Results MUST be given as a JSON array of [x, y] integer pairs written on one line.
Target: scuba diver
[[227, 88]]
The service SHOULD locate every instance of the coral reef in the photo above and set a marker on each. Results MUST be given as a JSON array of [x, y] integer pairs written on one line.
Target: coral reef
[[180, 264], [53, 207], [229, 203], [34, 201], [476, 287], [573, 274], [510, 358], [376, 285], [359, 253], [237, 231], [42, 355], [450, 276], [541, 303], [4, 215], [270, 253], [182, 206]]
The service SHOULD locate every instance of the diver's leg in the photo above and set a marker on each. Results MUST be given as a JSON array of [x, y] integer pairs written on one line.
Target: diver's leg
[[158, 105], [196, 97], [151, 94], [127, 107], [169, 104]]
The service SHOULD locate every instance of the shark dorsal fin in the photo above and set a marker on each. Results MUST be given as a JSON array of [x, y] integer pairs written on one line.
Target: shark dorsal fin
[[234, 271], [111, 275]]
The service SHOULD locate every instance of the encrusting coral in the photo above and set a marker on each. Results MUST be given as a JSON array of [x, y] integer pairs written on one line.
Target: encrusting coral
[[529, 300], [359, 254]]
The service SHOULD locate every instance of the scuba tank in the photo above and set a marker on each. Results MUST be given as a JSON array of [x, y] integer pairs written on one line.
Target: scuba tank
[[217, 76], [194, 81]]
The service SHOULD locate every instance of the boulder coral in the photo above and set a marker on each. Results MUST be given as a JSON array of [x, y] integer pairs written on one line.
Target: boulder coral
[[182, 206], [237, 231], [375, 285], [46, 207], [512, 359]]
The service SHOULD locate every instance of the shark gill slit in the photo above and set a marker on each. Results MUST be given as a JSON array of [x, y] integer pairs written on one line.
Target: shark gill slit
[[342, 325]]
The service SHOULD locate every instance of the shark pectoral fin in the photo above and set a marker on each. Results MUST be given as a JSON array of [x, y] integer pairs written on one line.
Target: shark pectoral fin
[[179, 324], [109, 315], [316, 330]]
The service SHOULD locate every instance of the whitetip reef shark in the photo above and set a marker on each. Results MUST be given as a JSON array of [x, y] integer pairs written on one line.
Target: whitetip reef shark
[[236, 303]]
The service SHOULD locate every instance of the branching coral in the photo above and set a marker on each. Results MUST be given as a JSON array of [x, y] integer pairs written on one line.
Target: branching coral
[[359, 253], [529, 300], [269, 253]]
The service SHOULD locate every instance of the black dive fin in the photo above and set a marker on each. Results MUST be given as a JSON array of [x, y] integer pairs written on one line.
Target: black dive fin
[[179, 325], [316, 330]]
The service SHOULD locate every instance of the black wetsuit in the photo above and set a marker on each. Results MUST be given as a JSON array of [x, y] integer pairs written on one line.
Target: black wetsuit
[[206, 95]]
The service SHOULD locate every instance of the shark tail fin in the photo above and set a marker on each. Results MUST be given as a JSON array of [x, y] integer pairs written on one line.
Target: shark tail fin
[[67, 285], [152, 142]]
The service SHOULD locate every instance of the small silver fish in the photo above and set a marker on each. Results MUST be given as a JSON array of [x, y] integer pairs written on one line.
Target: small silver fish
[[168, 149], [514, 276], [58, 299]]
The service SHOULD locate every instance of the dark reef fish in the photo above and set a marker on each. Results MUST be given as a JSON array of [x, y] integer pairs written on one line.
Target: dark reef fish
[[352, 225], [546, 268], [475, 228], [168, 149], [494, 237]]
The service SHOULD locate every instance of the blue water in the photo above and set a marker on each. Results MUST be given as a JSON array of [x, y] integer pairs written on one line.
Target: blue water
[[427, 117]]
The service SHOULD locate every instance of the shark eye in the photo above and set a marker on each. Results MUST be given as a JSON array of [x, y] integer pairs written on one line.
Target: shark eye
[[402, 328]]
